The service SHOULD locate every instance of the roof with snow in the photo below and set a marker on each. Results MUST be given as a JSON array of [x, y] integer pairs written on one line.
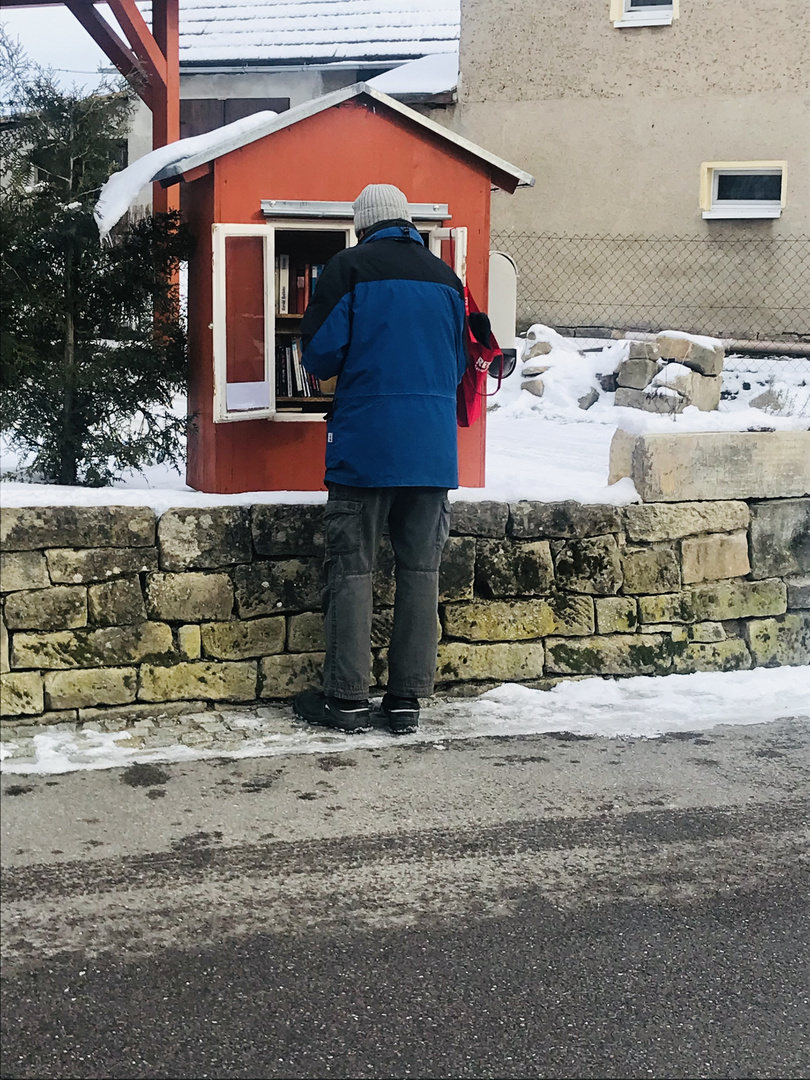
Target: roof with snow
[[321, 31]]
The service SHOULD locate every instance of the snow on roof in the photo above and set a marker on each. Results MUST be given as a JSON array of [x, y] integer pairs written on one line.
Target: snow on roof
[[435, 74], [314, 30], [179, 157]]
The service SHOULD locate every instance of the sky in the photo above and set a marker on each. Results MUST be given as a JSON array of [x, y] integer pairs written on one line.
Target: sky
[[53, 37]]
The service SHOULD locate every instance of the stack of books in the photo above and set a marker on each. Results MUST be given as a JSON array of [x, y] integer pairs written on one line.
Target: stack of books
[[295, 285]]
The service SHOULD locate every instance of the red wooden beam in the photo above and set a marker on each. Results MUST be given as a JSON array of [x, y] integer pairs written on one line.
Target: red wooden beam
[[140, 38], [166, 107], [113, 47]]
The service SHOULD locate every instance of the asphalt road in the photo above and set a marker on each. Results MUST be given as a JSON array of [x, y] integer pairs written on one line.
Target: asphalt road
[[539, 907]]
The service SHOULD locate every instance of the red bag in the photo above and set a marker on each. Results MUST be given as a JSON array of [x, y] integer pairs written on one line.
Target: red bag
[[472, 388]]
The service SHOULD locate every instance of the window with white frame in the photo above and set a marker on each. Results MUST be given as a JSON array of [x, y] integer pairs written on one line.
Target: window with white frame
[[628, 13], [743, 189]]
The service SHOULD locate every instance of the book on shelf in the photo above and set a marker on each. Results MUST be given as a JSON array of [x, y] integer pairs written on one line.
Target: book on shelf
[[315, 272], [283, 284]]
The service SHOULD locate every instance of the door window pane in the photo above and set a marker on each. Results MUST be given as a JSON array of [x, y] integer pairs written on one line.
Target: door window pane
[[247, 387]]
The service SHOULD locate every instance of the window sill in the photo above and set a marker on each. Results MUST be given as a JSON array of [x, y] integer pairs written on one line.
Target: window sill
[[716, 215], [646, 20]]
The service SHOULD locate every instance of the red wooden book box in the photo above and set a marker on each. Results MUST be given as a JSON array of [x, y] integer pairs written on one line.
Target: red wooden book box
[[268, 207]]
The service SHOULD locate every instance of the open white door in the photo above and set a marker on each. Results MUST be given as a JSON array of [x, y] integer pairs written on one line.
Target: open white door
[[451, 246]]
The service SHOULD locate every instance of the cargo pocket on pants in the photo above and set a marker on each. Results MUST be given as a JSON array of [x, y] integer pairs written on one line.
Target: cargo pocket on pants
[[342, 534]]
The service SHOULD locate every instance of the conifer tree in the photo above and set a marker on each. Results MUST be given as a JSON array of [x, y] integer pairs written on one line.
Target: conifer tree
[[93, 348]]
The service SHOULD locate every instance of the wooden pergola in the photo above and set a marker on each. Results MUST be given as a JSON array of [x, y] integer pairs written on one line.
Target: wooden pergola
[[148, 59]]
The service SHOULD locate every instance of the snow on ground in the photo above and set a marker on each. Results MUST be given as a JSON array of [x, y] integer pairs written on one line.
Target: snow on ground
[[640, 707], [544, 448]]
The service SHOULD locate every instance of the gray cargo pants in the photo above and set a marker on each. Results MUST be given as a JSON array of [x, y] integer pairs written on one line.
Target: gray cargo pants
[[418, 520]]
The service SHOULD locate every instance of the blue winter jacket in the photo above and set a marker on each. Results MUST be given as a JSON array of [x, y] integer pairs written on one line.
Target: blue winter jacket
[[387, 317]]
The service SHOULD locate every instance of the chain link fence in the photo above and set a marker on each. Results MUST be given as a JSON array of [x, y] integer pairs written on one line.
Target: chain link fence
[[753, 291]]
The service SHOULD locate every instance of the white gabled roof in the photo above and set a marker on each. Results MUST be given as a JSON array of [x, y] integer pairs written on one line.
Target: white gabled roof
[[237, 137], [318, 31]]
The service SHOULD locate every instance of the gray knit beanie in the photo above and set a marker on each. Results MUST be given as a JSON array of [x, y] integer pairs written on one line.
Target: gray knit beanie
[[379, 202]]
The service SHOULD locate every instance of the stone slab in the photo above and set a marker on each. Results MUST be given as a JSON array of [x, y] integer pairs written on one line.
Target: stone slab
[[116, 603], [189, 597], [509, 662], [728, 655], [4, 656], [205, 538], [207, 681], [798, 592], [241, 639], [780, 538], [61, 607], [305, 632], [616, 614], [107, 647], [122, 716], [486, 518], [702, 391], [538, 520], [714, 465], [620, 462], [74, 567], [636, 372], [29, 527], [652, 522], [271, 588], [703, 357], [647, 400], [21, 694], [79, 689], [24, 570], [457, 568], [590, 565], [716, 601], [714, 556], [614, 654], [651, 569], [781, 642], [518, 620], [285, 530], [513, 568], [189, 641], [286, 674]]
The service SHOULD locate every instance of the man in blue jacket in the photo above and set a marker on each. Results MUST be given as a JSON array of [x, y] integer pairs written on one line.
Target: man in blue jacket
[[387, 318]]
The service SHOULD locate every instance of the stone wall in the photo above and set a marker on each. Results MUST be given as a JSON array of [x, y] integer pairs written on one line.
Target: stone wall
[[109, 612]]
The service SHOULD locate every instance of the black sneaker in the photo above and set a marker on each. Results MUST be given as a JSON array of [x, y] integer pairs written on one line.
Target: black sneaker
[[402, 713], [315, 707]]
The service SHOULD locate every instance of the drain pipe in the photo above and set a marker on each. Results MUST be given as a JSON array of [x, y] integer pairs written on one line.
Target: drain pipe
[[746, 348]]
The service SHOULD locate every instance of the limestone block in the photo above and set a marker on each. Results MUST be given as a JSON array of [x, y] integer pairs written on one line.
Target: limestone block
[[589, 399], [650, 522], [702, 391], [621, 455], [479, 518], [204, 538], [117, 602], [663, 400], [189, 641], [705, 357], [798, 592], [534, 385], [536, 520], [642, 350], [591, 565], [61, 607], [780, 537], [91, 687], [716, 601], [498, 620], [457, 568], [637, 372], [715, 556], [240, 639], [206, 681], [30, 527], [21, 694], [111, 646], [458, 662], [536, 348], [24, 570], [616, 614], [190, 597], [619, 654], [713, 465], [703, 632], [288, 530], [4, 658], [305, 632], [270, 588], [728, 655], [510, 568], [98, 564], [532, 368], [781, 642], [284, 675], [651, 569]]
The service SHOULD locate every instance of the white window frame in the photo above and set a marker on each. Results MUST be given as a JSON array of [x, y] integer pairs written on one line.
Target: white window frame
[[220, 233], [725, 209], [623, 16], [459, 237]]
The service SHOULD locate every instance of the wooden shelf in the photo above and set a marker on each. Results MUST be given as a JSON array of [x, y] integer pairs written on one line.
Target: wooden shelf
[[300, 402], [290, 315]]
